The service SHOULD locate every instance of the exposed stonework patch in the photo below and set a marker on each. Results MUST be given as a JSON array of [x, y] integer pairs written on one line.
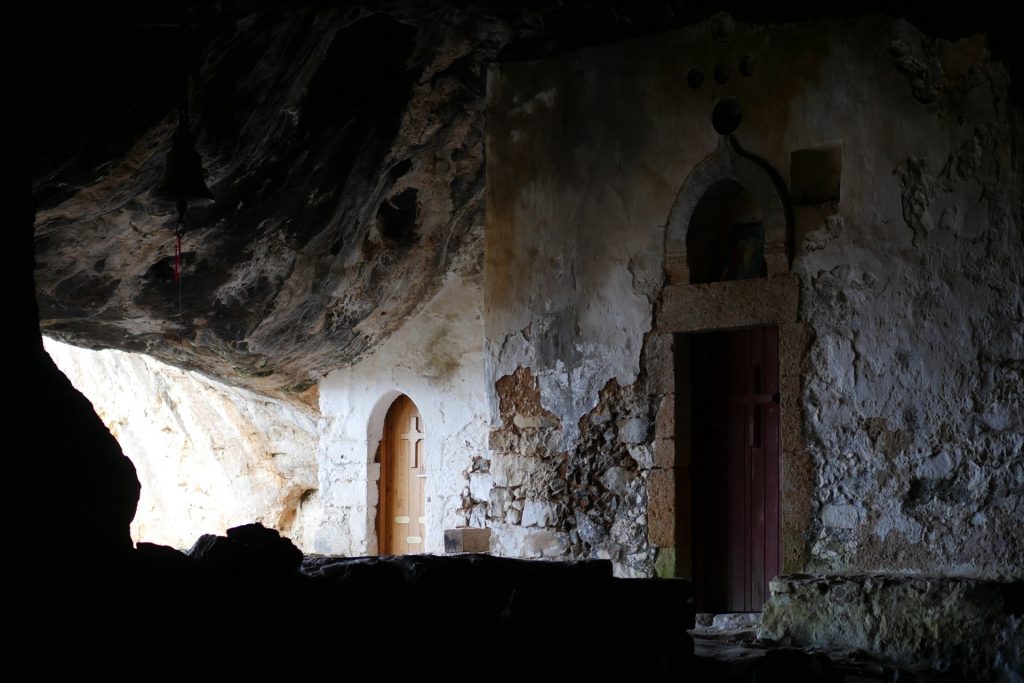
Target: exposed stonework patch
[[589, 502]]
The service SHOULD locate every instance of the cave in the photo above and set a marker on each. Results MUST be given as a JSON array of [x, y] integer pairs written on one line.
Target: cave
[[549, 339]]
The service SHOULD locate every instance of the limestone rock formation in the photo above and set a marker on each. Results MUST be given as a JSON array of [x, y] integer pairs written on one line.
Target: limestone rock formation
[[345, 151], [344, 146], [208, 456]]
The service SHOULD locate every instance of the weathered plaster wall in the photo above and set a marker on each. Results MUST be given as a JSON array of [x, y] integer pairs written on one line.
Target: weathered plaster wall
[[436, 359], [208, 456], [910, 282]]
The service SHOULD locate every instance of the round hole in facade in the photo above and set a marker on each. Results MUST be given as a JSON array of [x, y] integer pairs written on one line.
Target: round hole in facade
[[727, 115], [725, 240]]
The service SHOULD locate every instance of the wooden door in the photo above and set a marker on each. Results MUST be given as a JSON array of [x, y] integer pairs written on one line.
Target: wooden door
[[401, 521], [735, 427]]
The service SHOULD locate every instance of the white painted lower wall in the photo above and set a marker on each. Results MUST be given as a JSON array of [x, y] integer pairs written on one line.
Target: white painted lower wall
[[436, 359]]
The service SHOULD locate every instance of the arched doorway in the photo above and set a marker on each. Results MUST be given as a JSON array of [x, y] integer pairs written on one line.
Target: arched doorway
[[734, 472], [401, 514], [735, 446]]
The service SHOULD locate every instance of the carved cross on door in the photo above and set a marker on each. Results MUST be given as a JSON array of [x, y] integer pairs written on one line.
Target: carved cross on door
[[414, 437]]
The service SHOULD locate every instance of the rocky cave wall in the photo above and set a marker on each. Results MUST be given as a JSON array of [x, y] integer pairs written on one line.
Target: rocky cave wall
[[208, 456], [909, 283], [436, 359], [344, 148]]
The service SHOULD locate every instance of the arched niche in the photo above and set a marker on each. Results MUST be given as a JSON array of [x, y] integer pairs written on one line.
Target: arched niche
[[726, 186], [725, 237]]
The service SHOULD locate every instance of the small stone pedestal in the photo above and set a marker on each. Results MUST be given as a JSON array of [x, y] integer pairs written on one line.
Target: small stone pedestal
[[467, 540]]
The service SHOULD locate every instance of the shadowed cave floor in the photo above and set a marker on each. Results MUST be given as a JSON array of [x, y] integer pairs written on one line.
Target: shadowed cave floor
[[737, 655]]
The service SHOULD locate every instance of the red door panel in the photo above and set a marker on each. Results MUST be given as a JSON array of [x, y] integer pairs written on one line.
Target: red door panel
[[735, 439]]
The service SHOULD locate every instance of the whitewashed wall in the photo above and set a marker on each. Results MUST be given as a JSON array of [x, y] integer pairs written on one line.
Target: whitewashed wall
[[437, 360]]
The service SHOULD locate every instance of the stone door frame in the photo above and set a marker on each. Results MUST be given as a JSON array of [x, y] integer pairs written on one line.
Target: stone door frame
[[686, 308]]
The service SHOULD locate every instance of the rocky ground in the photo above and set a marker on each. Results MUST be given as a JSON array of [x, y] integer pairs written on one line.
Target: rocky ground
[[729, 650]]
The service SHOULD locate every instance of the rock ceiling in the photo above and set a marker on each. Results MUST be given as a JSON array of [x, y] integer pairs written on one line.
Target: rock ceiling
[[345, 149]]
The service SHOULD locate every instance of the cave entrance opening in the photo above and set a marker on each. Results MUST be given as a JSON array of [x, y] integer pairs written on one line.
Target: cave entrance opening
[[735, 446], [401, 520]]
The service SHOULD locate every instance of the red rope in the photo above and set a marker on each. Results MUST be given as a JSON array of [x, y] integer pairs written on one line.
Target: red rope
[[177, 259]]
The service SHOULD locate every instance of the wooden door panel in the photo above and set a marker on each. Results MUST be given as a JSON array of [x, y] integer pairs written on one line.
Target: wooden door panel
[[755, 519], [736, 530], [773, 516], [402, 480], [735, 444]]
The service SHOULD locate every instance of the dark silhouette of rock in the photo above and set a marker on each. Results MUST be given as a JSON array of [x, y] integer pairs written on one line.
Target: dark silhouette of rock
[[82, 489], [247, 549], [160, 562]]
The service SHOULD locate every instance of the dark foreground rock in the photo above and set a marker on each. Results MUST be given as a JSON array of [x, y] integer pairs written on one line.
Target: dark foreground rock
[[238, 608], [248, 549]]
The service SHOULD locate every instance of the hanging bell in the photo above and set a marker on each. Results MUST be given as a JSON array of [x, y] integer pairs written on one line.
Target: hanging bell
[[183, 176]]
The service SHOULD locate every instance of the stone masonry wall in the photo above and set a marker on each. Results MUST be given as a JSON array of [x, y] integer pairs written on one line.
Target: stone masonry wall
[[910, 286], [586, 502]]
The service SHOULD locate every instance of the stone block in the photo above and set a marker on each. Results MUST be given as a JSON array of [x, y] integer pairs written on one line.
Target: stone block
[[665, 563], [665, 422], [500, 441], [533, 421], [478, 516], [660, 362], [634, 430], [642, 454], [840, 516], [517, 541], [661, 507], [537, 513], [466, 540], [665, 453], [794, 342], [676, 267], [480, 486], [737, 303], [616, 480], [498, 500]]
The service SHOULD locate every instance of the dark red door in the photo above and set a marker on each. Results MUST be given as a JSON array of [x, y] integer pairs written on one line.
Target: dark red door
[[735, 432]]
